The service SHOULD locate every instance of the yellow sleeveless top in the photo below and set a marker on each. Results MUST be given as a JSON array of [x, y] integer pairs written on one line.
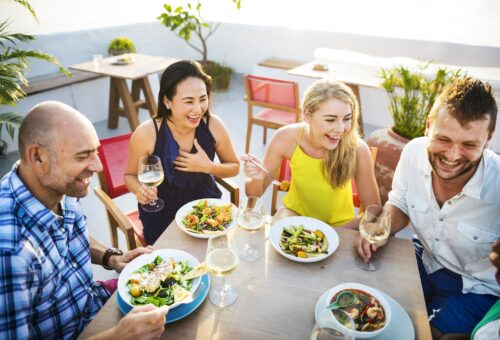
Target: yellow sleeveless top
[[311, 194]]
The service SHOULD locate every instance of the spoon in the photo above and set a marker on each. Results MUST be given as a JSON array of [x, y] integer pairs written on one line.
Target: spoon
[[344, 299], [283, 185]]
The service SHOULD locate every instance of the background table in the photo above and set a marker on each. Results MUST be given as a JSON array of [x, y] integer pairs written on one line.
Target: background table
[[277, 297], [137, 71]]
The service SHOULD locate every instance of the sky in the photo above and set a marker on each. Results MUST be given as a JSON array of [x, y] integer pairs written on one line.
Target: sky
[[474, 22]]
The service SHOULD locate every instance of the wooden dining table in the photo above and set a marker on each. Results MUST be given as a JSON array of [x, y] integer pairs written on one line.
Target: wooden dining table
[[137, 70], [277, 296]]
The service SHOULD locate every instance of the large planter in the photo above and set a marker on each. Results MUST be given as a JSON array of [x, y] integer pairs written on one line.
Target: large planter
[[221, 75], [389, 145]]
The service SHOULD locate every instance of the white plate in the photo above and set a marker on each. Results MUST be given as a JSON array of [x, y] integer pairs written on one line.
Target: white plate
[[400, 327], [188, 207], [310, 224], [120, 61], [177, 255]]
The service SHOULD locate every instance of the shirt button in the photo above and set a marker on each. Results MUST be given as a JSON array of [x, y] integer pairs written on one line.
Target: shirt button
[[441, 219], [450, 202], [89, 290], [475, 238], [412, 206], [437, 239], [75, 265], [426, 176]]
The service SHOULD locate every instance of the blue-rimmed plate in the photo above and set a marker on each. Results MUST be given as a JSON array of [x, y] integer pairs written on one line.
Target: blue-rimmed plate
[[180, 311], [400, 327]]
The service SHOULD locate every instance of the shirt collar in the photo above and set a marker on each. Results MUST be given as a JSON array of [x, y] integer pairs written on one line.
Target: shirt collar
[[39, 213]]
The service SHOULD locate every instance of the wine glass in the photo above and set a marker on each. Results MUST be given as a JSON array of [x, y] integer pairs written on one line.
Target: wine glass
[[151, 175], [222, 260], [328, 330], [374, 227], [251, 216]]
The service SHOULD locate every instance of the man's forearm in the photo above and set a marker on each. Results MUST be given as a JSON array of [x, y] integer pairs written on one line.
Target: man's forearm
[[399, 220], [97, 251]]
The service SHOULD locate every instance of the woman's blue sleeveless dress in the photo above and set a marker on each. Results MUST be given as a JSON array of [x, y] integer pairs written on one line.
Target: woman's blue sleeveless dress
[[178, 188]]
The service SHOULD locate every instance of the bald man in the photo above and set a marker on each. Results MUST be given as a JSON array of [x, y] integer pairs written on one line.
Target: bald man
[[46, 284]]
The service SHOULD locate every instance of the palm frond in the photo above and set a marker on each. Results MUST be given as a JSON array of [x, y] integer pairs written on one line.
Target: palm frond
[[11, 121], [26, 5], [12, 37]]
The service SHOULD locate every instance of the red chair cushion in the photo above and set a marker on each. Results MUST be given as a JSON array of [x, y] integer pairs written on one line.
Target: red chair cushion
[[355, 196], [113, 153], [276, 116], [137, 224]]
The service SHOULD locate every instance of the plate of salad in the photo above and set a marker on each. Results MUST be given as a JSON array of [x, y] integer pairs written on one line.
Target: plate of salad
[[163, 277], [205, 218], [303, 239]]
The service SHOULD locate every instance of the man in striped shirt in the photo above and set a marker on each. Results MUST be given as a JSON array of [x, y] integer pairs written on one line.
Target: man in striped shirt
[[46, 283]]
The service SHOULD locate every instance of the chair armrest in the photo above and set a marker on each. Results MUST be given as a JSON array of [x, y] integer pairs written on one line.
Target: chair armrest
[[230, 186], [123, 222]]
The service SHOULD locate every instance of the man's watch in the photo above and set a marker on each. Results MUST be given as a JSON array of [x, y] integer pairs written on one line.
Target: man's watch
[[107, 255]]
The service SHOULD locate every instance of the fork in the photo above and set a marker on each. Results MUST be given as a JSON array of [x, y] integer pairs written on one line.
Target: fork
[[273, 181], [191, 297]]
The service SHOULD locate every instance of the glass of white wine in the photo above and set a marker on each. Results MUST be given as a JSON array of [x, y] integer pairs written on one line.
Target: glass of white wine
[[375, 227], [222, 260], [251, 217], [151, 175]]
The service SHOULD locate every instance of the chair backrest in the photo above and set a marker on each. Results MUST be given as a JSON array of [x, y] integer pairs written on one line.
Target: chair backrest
[[113, 153], [273, 93]]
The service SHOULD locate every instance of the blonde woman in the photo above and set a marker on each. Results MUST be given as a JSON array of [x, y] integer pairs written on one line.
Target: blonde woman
[[326, 153]]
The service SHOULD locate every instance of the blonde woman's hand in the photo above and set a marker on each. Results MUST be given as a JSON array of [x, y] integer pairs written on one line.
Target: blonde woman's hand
[[250, 169], [145, 195], [193, 162]]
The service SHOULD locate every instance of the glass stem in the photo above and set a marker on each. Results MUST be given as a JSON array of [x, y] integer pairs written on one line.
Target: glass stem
[[250, 239], [223, 288]]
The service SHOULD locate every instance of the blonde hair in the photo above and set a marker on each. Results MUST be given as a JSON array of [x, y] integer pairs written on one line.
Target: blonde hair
[[339, 165]]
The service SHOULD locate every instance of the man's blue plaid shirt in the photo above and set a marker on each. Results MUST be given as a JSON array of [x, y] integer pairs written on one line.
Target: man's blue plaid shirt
[[46, 285]]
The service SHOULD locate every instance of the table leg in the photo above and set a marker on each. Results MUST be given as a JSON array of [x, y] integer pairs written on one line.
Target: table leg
[[114, 102], [128, 103], [148, 96]]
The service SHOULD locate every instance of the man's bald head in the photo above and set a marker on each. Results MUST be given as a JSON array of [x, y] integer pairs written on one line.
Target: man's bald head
[[46, 121]]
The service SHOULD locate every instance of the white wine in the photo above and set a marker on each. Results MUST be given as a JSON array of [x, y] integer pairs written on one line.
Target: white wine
[[151, 178], [374, 232], [222, 262], [251, 221]]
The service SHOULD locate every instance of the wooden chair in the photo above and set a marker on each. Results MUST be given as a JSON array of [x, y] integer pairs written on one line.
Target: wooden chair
[[280, 100], [113, 153], [286, 175]]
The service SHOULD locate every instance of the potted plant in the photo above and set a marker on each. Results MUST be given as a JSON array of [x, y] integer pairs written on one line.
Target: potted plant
[[184, 21], [13, 65], [411, 96], [121, 45]]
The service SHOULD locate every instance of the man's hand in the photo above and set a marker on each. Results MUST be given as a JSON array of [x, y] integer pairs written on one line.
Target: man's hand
[[365, 249], [197, 162], [495, 258], [118, 262], [143, 322]]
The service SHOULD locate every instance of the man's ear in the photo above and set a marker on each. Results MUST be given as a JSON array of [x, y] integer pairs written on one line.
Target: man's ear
[[36, 154]]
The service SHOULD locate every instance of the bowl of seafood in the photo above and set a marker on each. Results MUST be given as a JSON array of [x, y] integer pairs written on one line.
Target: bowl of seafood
[[366, 306], [205, 218], [163, 277]]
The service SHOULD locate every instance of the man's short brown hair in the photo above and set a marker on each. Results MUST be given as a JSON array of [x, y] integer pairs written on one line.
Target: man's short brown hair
[[468, 99]]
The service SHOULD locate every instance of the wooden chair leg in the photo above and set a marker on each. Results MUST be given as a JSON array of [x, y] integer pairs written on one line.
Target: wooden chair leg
[[249, 135], [264, 136]]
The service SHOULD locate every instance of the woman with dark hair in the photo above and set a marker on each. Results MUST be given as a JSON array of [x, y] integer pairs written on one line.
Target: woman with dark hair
[[186, 137]]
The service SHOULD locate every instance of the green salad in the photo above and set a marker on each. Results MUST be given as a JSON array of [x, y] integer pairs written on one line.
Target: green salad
[[160, 282], [208, 217], [303, 243]]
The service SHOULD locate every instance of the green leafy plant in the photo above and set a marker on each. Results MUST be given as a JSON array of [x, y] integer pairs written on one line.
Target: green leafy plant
[[184, 21], [411, 96], [13, 66], [120, 45]]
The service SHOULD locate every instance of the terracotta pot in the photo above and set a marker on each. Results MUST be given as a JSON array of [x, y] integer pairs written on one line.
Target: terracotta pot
[[389, 145]]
